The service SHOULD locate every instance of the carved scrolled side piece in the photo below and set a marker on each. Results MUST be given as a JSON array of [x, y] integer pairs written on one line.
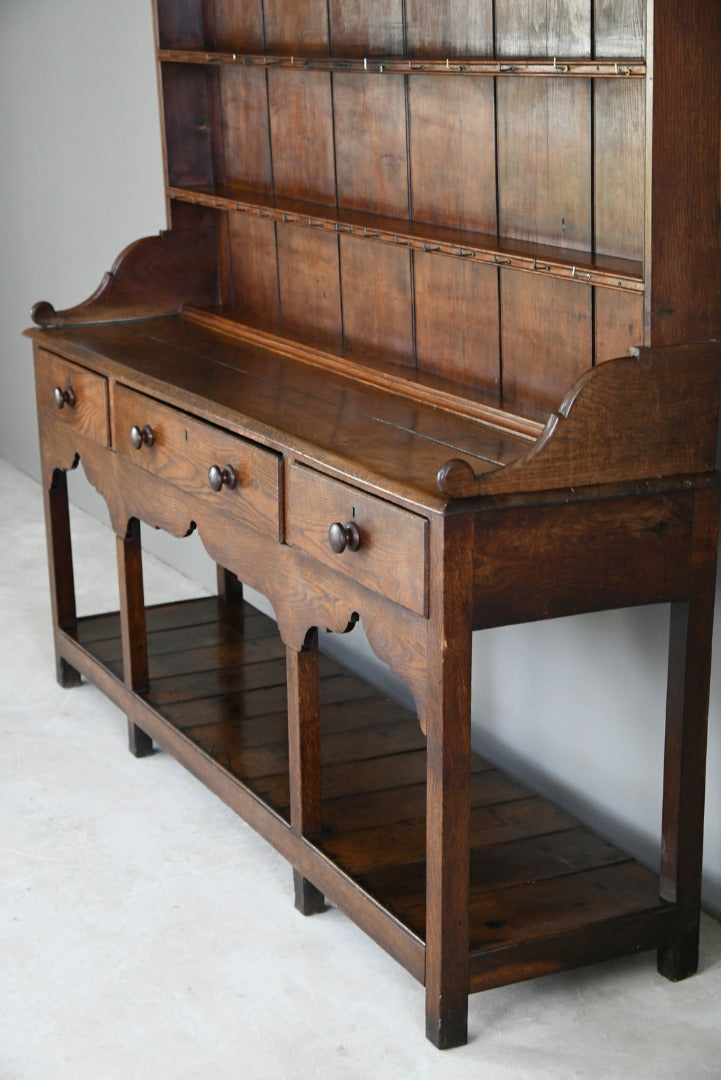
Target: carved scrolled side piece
[[154, 276], [456, 478], [634, 418]]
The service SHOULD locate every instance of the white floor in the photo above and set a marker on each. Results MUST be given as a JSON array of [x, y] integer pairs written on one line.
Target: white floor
[[147, 933]]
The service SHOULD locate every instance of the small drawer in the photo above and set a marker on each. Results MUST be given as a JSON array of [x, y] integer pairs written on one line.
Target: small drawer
[[199, 458], [377, 544], [73, 395]]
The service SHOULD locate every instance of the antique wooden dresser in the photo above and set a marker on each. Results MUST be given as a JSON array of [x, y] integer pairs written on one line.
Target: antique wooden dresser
[[430, 342]]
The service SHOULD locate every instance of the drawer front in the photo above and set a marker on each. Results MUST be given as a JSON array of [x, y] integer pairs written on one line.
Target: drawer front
[[73, 395], [182, 450], [392, 553]]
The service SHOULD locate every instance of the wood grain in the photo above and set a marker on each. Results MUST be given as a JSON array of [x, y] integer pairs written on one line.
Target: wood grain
[[452, 152], [301, 126], [543, 28], [544, 161], [299, 27], [377, 299], [546, 336], [444, 28], [89, 412], [456, 320], [370, 135], [372, 28]]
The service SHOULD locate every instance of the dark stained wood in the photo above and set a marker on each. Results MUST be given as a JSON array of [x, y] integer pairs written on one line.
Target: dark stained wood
[[539, 360], [373, 28], [88, 412], [488, 248], [184, 450], [254, 267], [683, 300], [618, 324], [431, 345], [179, 24], [521, 849], [149, 278], [628, 551], [370, 139], [246, 148], [189, 152], [300, 27], [688, 415], [304, 754], [392, 556], [452, 153], [376, 285], [60, 566], [133, 634], [457, 320], [301, 125], [687, 701], [308, 271], [238, 26], [448, 725], [544, 161]]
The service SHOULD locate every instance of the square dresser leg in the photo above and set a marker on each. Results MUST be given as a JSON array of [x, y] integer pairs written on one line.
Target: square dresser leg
[[60, 563], [304, 760], [689, 667], [132, 628]]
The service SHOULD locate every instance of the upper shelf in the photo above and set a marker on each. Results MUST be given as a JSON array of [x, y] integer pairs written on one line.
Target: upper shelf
[[567, 263], [552, 67]]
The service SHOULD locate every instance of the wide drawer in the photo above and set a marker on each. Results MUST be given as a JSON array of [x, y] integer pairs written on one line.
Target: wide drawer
[[195, 455], [77, 397], [391, 557]]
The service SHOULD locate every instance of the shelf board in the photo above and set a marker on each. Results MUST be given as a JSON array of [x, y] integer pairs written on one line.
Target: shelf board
[[217, 678], [549, 67], [568, 264], [520, 419]]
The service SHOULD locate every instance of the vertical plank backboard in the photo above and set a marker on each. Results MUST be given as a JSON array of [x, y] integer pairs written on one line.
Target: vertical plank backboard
[[371, 28], [296, 28], [377, 299], [619, 323], [301, 125], [544, 161], [180, 24], [309, 274], [457, 319], [187, 125], [619, 164], [254, 267], [238, 27], [370, 135], [543, 28], [244, 107], [619, 28], [546, 335], [452, 152], [445, 28]]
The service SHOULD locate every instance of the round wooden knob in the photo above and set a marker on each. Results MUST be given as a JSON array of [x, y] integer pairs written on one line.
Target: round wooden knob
[[345, 536], [141, 436], [64, 397], [217, 477]]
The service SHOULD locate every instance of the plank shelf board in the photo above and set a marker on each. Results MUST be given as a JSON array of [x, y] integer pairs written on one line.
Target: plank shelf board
[[582, 267], [217, 676]]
